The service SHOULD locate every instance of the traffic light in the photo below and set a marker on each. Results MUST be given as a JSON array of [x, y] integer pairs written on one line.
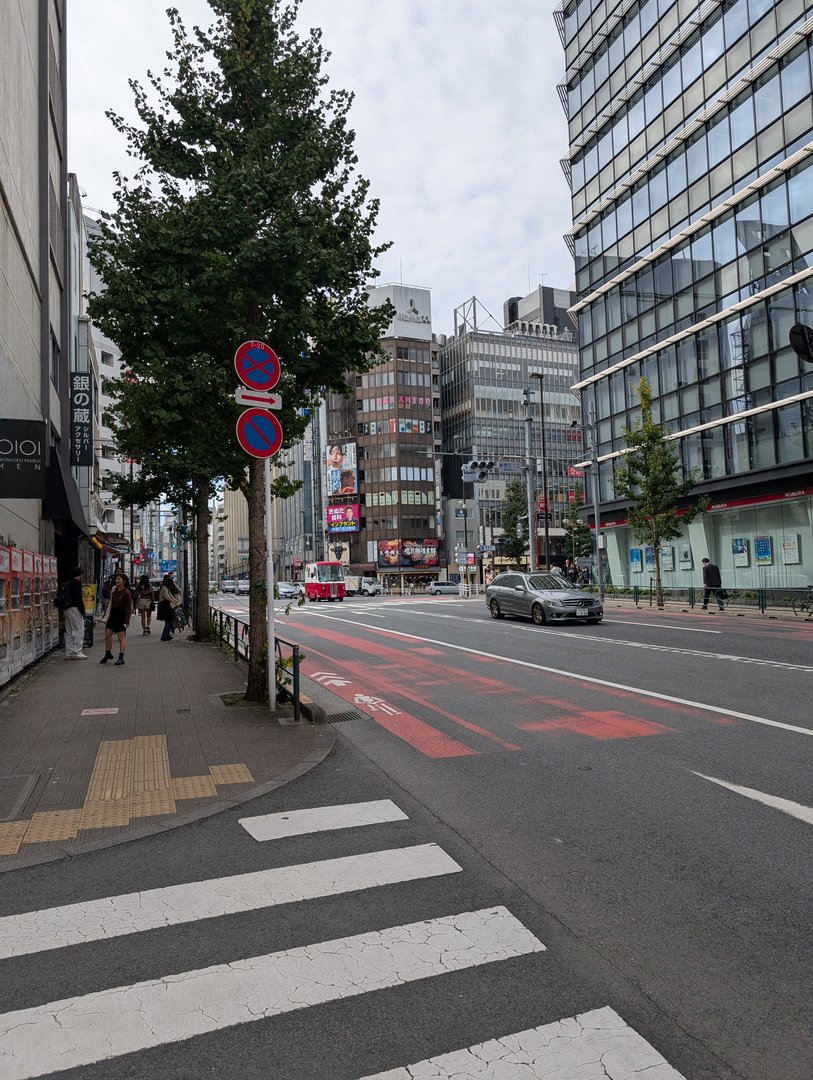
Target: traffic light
[[477, 471]]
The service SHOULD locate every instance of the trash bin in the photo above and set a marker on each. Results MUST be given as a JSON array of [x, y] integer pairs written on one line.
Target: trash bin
[[88, 639]]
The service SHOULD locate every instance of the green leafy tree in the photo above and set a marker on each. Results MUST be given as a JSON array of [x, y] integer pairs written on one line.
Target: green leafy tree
[[247, 220], [515, 522], [651, 477], [578, 538]]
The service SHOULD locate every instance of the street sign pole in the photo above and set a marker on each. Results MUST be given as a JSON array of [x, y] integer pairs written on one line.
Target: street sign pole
[[269, 586]]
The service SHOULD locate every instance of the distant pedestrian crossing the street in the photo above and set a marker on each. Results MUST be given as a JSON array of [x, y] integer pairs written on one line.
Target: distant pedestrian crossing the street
[[93, 1028]]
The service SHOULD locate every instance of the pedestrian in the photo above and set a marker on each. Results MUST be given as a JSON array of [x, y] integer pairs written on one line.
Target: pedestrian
[[169, 598], [712, 583], [145, 603], [118, 615], [74, 615]]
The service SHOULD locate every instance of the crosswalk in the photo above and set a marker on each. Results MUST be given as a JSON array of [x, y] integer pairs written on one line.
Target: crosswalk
[[95, 1027]]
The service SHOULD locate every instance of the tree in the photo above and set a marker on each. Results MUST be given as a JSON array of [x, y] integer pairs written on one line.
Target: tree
[[651, 477], [246, 221], [514, 521], [578, 539]]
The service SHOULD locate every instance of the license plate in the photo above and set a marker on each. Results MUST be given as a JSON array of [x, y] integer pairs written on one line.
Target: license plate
[[582, 614]]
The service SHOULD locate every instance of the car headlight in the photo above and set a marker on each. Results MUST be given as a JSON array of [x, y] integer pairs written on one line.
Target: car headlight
[[554, 601]]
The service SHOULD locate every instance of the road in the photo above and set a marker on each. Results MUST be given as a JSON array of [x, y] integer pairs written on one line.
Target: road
[[609, 823]]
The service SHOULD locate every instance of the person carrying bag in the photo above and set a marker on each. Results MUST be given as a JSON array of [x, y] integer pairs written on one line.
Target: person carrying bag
[[170, 605]]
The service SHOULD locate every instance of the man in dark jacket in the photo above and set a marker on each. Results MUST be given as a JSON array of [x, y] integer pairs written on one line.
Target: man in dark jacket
[[74, 615], [711, 583]]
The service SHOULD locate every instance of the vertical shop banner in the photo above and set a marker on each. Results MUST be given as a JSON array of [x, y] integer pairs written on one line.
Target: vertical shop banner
[[22, 459], [763, 551], [636, 561], [739, 551], [667, 557], [341, 469], [790, 549], [81, 419]]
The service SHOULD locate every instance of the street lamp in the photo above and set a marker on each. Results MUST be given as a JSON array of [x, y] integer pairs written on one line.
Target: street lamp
[[540, 376], [591, 427]]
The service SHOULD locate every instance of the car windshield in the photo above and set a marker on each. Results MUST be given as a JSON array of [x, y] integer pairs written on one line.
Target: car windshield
[[548, 581]]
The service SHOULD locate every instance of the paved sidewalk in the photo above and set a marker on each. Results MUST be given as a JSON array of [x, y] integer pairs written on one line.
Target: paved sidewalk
[[93, 755]]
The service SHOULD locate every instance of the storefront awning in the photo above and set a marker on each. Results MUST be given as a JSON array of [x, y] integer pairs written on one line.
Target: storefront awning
[[62, 502]]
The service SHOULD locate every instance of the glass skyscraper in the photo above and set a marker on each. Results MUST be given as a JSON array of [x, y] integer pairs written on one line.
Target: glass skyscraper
[[691, 170]]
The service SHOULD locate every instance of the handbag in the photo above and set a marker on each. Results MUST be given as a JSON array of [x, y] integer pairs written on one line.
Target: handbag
[[723, 594], [180, 617]]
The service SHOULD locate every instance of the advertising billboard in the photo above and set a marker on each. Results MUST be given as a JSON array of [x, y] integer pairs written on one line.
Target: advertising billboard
[[22, 459], [407, 554], [413, 311], [341, 468], [342, 518]]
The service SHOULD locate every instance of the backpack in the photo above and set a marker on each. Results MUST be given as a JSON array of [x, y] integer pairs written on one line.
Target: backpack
[[62, 599]]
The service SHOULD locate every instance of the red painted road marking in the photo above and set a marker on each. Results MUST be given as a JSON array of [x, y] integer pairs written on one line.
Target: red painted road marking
[[601, 725]]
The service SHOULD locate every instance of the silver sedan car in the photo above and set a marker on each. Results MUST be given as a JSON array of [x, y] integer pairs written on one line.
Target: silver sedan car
[[541, 597]]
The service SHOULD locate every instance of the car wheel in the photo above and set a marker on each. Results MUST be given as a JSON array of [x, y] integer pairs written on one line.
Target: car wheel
[[538, 615], [365, 592], [494, 608]]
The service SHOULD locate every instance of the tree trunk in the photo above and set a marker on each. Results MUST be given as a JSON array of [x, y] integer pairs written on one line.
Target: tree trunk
[[200, 620], [658, 585], [257, 688]]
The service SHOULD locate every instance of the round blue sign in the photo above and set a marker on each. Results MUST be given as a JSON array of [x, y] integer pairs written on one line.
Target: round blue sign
[[257, 365], [259, 433]]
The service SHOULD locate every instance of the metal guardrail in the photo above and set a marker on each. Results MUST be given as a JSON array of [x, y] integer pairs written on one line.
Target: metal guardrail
[[232, 633], [761, 600]]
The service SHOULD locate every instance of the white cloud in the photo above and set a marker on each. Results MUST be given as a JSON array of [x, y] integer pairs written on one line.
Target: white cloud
[[457, 119]]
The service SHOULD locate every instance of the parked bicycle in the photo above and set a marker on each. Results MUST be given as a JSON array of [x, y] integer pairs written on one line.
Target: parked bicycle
[[803, 603]]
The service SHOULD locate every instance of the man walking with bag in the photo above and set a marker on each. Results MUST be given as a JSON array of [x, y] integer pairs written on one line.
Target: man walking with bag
[[74, 615], [712, 583]]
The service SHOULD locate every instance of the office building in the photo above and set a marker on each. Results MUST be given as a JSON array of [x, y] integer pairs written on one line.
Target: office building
[[691, 171]]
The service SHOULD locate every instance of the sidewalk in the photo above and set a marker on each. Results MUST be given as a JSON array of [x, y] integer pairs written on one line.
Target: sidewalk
[[93, 755]]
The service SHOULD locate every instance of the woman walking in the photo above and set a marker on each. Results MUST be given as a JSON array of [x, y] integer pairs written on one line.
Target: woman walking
[[169, 599], [119, 613], [145, 603]]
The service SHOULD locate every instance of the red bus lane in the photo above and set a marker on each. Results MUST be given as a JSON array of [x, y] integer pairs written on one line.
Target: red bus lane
[[392, 677]]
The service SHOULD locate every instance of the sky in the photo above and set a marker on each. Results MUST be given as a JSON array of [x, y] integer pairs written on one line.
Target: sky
[[458, 127]]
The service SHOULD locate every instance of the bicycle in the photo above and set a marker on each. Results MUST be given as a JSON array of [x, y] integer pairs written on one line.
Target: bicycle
[[803, 603]]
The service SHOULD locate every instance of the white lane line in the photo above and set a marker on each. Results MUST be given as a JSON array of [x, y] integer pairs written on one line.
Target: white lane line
[[592, 1044], [321, 819], [130, 913], [593, 680], [96, 1027], [660, 626], [787, 806]]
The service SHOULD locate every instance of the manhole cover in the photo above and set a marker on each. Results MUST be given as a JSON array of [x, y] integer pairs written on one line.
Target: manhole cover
[[14, 792]]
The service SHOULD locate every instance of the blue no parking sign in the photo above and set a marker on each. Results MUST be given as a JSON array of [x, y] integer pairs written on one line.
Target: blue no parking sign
[[259, 433], [257, 365]]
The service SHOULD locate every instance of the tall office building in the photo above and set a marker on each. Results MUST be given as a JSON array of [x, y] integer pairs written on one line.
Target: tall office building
[[691, 170]]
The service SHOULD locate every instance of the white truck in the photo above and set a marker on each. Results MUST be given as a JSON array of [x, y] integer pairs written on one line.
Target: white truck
[[367, 586]]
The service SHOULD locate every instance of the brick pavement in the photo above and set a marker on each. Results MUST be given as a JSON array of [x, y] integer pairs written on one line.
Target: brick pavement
[[94, 754]]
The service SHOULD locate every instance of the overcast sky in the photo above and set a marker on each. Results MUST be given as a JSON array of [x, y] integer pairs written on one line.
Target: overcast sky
[[458, 128]]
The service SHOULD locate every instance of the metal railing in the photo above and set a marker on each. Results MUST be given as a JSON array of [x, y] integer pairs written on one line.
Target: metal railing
[[761, 600], [232, 633]]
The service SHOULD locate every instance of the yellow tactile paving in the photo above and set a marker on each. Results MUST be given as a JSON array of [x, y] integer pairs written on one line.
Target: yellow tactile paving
[[106, 813], [11, 836], [48, 825], [193, 787], [231, 774], [130, 779]]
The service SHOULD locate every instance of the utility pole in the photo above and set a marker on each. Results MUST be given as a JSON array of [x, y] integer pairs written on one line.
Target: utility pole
[[546, 518], [596, 508], [530, 475]]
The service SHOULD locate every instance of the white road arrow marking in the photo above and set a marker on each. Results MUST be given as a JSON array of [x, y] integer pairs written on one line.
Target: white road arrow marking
[[797, 810], [329, 678]]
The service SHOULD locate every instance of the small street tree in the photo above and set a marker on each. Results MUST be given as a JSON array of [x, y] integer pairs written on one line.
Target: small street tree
[[651, 477], [247, 220], [515, 522]]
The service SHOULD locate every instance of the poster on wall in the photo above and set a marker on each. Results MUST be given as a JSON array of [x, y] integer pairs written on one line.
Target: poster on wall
[[763, 551], [649, 558], [790, 548], [636, 561], [685, 557], [341, 469], [739, 551], [667, 557]]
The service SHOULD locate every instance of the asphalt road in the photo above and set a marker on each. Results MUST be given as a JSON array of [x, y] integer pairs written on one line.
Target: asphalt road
[[635, 797]]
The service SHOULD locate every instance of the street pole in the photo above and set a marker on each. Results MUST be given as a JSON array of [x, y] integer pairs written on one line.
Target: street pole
[[530, 476], [546, 518], [269, 588], [596, 510]]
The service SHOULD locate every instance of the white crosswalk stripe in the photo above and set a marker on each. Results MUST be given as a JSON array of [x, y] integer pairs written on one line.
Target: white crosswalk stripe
[[596, 1045], [67, 1034], [93, 920], [97, 1027]]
